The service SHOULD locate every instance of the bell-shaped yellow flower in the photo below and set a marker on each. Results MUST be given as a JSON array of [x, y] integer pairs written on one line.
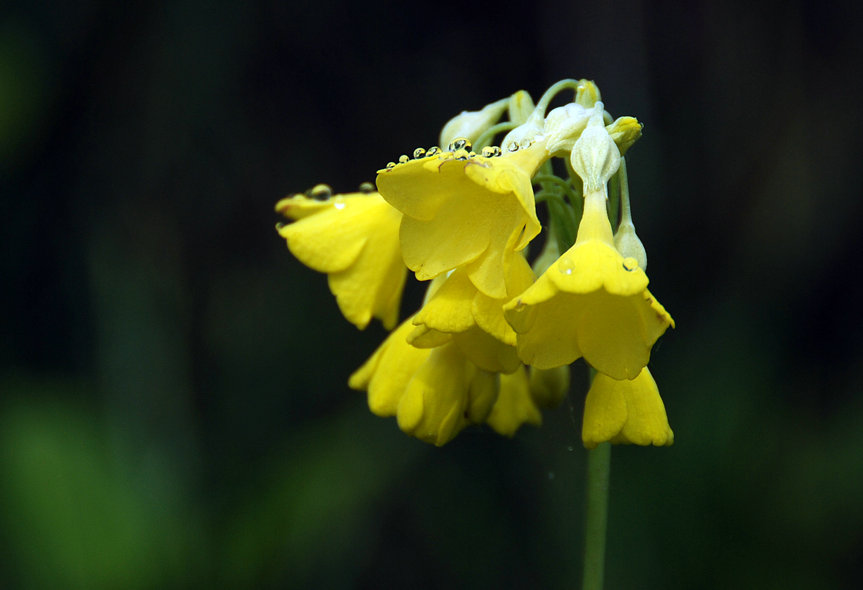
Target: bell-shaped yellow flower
[[591, 302], [354, 239], [460, 313], [434, 393], [463, 210], [515, 405], [627, 411]]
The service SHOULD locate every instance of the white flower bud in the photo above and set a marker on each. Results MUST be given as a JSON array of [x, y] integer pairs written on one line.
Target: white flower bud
[[563, 125], [471, 124], [525, 134], [595, 157]]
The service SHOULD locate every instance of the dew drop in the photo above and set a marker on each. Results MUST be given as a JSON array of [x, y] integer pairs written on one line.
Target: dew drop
[[367, 187], [461, 154], [513, 147], [460, 143], [566, 266], [490, 151], [339, 205], [403, 158], [433, 151], [419, 153], [280, 224], [630, 264], [391, 165], [321, 192]]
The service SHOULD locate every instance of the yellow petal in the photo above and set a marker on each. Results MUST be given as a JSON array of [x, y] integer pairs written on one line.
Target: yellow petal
[[434, 402], [449, 310], [354, 239], [514, 405], [484, 387], [605, 412], [487, 352], [462, 213], [386, 374], [591, 302], [647, 422], [425, 337]]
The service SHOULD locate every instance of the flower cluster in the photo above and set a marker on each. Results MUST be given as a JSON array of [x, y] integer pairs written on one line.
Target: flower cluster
[[494, 338]]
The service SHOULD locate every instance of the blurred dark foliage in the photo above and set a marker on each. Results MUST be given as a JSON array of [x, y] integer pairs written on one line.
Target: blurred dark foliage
[[174, 410]]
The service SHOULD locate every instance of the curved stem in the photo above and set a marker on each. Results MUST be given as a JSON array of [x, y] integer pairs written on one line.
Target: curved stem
[[598, 470], [485, 138], [549, 94], [557, 181]]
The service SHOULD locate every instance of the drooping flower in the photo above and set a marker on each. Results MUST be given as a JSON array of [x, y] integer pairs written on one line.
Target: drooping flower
[[465, 211], [353, 238], [460, 313], [434, 393], [625, 411], [592, 302]]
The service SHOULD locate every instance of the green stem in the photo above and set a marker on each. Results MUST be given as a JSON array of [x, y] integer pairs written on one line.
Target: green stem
[[488, 135], [598, 468]]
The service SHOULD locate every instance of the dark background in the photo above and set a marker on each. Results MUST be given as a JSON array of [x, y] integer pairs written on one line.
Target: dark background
[[174, 407]]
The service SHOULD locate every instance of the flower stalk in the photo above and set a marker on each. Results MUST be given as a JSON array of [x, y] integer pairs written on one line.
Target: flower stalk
[[598, 471]]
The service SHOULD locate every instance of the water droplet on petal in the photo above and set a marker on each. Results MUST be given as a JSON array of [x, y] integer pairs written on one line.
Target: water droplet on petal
[[630, 264], [433, 151], [566, 266], [339, 205], [280, 224], [460, 143], [513, 147], [461, 154], [419, 153], [367, 187], [321, 192], [490, 151], [391, 165], [403, 158]]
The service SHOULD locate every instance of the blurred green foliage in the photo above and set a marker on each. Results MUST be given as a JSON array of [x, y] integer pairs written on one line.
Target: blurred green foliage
[[173, 400]]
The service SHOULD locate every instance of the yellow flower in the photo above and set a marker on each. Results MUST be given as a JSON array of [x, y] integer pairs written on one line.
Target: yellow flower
[[627, 411], [591, 302], [465, 211], [515, 405], [353, 238], [458, 312], [434, 393]]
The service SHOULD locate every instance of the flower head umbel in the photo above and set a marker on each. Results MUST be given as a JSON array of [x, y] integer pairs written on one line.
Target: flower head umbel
[[491, 343]]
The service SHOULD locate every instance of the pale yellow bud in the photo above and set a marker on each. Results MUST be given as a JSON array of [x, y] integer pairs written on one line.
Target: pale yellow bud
[[625, 131], [595, 157], [471, 124]]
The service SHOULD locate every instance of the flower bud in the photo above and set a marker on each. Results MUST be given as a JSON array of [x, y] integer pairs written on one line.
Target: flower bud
[[520, 107], [595, 157], [587, 94], [564, 124], [471, 124], [626, 242], [625, 131]]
